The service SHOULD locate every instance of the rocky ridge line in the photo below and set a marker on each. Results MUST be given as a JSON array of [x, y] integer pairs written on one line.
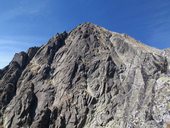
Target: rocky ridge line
[[90, 77]]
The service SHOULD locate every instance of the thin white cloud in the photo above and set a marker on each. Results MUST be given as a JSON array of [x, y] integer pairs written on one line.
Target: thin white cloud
[[25, 8], [159, 27], [10, 43]]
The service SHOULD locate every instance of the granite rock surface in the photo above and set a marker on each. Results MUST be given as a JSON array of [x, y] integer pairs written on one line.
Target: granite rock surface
[[87, 78]]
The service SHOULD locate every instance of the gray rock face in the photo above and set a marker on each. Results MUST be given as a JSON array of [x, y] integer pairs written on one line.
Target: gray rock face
[[88, 78]]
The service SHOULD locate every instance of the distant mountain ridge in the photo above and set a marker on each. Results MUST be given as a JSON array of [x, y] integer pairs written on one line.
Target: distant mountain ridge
[[87, 78]]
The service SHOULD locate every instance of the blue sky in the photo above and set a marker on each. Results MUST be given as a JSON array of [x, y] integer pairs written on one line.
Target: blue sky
[[26, 23]]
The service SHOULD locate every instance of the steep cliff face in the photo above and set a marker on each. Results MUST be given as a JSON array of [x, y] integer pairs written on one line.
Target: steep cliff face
[[88, 78]]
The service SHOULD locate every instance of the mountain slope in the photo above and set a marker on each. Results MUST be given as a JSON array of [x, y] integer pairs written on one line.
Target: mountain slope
[[90, 77]]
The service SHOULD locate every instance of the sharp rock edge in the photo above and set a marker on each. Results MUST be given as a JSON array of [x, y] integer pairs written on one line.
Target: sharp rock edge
[[87, 78]]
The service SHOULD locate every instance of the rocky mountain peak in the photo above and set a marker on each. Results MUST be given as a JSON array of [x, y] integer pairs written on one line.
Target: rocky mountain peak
[[89, 77]]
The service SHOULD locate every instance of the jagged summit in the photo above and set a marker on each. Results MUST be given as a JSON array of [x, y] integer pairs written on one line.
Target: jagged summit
[[87, 78], [92, 29]]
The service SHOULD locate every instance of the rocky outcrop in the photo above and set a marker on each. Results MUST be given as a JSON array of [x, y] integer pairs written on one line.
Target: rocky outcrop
[[9, 77], [90, 77]]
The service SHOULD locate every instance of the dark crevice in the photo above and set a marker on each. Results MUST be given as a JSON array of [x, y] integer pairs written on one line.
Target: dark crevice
[[11, 121], [56, 45], [45, 119], [83, 119], [29, 113], [52, 47], [110, 67], [73, 74], [63, 122], [33, 108]]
